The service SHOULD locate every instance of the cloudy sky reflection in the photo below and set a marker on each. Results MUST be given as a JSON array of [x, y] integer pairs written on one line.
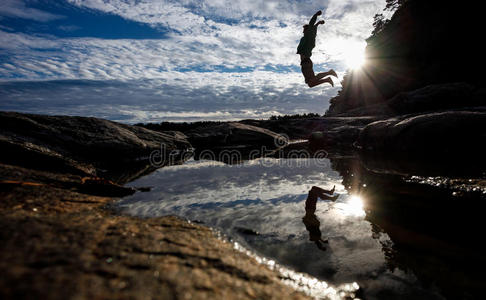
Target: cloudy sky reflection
[[269, 198]]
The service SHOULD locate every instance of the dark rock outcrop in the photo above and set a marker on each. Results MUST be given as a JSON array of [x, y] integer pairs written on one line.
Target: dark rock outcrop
[[437, 97], [423, 80], [440, 135], [339, 137], [302, 128], [80, 145], [424, 43], [234, 135]]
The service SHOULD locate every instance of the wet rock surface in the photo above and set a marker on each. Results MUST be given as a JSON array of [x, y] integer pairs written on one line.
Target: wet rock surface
[[60, 243]]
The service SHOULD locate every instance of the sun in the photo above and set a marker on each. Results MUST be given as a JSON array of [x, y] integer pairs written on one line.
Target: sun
[[354, 58], [353, 206], [349, 51]]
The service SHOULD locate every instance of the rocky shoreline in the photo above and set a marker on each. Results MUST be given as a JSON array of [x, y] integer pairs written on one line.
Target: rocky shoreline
[[63, 243], [407, 115], [62, 240]]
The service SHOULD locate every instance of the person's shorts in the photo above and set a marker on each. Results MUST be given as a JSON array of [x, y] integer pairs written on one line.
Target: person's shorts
[[307, 68]]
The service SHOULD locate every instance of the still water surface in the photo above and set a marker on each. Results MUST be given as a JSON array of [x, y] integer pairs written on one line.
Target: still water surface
[[261, 205]]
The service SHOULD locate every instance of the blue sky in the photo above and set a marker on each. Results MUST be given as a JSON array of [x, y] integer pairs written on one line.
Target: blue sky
[[161, 60]]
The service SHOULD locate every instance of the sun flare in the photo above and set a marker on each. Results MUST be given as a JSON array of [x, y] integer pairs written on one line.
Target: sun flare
[[353, 206], [355, 58], [350, 51]]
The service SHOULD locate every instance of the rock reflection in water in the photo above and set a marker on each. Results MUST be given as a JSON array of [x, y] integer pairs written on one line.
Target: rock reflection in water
[[433, 230]]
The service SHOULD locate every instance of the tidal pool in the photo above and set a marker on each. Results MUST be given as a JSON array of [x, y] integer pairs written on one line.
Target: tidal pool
[[260, 204]]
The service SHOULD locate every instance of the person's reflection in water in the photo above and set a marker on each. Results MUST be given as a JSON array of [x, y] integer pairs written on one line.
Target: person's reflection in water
[[310, 220]]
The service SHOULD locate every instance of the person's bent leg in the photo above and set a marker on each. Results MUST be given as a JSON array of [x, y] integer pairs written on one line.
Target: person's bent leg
[[321, 75], [314, 83], [321, 193], [324, 74], [327, 197], [321, 190]]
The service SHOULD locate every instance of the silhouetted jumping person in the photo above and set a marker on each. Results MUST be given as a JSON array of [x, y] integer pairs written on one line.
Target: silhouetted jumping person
[[307, 43], [310, 220]]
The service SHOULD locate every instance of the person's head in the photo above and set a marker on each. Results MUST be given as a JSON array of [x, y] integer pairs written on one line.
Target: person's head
[[306, 26]]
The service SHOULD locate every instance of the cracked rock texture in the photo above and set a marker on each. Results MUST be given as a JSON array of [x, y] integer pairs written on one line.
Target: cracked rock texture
[[59, 242]]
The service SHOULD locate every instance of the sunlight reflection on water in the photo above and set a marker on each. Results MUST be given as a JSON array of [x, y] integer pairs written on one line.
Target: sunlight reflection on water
[[352, 207], [260, 206]]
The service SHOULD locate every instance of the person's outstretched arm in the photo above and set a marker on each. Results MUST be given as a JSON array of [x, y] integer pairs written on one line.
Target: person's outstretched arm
[[314, 18]]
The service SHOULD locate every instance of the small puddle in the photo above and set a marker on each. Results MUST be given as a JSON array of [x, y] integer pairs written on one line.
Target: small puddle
[[260, 206]]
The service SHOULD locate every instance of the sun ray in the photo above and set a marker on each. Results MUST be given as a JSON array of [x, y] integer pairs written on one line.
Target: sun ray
[[354, 58]]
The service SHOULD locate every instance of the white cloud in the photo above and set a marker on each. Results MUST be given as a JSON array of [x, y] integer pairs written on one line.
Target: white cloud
[[256, 32], [206, 35], [249, 95], [17, 9], [199, 40]]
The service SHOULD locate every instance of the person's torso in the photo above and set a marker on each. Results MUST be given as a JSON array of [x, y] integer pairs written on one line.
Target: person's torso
[[307, 42]]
